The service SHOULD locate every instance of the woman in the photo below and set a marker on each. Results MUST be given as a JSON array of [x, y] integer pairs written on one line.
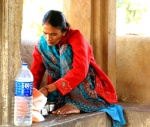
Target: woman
[[75, 82]]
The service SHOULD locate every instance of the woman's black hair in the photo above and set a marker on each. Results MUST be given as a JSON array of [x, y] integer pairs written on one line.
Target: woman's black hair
[[56, 19]]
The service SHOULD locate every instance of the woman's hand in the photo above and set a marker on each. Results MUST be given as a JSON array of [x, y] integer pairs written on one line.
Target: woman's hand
[[44, 91], [48, 89]]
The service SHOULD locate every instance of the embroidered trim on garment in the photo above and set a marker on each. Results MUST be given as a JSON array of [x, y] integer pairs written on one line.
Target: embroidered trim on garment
[[63, 86]]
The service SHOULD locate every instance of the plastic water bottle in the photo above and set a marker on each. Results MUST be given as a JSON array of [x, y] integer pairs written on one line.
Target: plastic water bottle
[[23, 97]]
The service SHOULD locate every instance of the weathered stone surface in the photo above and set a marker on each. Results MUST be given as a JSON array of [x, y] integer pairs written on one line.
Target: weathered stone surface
[[75, 120], [137, 118], [133, 69], [137, 115], [78, 14], [27, 47], [10, 62]]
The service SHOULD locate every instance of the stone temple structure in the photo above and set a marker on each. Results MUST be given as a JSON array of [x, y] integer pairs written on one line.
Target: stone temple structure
[[125, 59]]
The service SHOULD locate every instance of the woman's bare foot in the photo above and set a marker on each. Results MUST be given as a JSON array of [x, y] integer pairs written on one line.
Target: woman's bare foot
[[66, 109]]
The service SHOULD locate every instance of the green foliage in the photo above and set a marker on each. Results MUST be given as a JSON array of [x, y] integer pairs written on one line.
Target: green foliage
[[33, 11], [37, 27], [133, 9]]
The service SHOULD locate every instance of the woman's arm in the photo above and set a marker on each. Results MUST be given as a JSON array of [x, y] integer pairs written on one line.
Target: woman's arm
[[81, 59]]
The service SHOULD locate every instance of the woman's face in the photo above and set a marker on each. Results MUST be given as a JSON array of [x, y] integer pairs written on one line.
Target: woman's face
[[52, 35]]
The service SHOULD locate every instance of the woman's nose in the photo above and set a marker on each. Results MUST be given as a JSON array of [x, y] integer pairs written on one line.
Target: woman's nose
[[48, 37]]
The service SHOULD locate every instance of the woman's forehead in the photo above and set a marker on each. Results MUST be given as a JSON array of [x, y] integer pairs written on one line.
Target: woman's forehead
[[47, 27]]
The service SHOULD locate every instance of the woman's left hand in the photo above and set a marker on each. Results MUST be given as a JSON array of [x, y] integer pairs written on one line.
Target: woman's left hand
[[44, 91], [48, 89]]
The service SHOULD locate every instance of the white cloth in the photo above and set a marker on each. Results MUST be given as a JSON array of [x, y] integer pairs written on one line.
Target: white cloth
[[39, 101]]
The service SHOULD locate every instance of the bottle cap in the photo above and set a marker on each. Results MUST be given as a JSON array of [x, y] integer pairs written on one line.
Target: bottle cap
[[24, 64]]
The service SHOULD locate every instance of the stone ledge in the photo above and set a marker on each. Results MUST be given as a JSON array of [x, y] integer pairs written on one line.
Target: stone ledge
[[141, 107], [94, 119], [136, 115]]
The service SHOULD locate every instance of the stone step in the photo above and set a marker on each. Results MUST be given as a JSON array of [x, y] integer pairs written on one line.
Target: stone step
[[94, 119], [136, 115]]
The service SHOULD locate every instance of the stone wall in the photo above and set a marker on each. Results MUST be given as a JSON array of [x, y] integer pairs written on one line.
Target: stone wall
[[133, 69], [27, 47]]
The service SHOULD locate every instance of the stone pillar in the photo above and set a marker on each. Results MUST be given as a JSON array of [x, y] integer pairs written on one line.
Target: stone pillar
[[10, 36], [78, 14], [96, 19], [111, 33], [104, 35]]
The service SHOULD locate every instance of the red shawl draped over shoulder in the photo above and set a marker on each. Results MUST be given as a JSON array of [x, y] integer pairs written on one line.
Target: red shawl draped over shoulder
[[82, 58]]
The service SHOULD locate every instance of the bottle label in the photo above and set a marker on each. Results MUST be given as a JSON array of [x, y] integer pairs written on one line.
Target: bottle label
[[23, 88]]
